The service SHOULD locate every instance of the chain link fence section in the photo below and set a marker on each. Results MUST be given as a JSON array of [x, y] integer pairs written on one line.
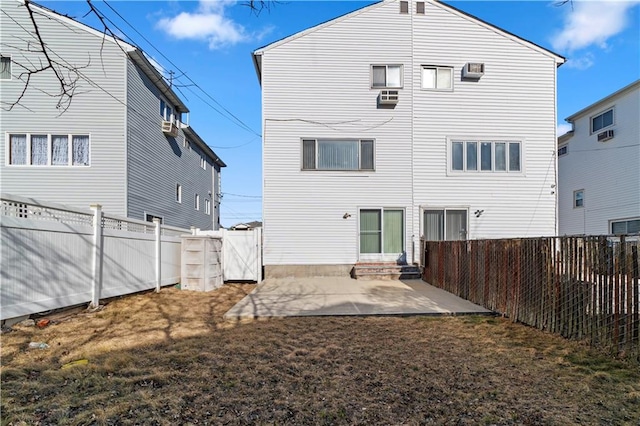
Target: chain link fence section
[[583, 287]]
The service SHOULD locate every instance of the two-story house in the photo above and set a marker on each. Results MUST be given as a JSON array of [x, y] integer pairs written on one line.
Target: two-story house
[[122, 142], [402, 120], [599, 167]]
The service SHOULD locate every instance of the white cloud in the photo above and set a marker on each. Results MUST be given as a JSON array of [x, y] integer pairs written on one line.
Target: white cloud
[[207, 23], [589, 23], [580, 62], [562, 128]]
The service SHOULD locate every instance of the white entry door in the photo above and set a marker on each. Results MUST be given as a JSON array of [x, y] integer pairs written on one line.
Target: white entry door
[[382, 235]]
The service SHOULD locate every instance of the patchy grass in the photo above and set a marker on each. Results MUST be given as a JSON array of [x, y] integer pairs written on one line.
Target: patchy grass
[[170, 358]]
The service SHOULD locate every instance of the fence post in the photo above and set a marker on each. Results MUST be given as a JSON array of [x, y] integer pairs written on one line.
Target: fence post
[[96, 266], [158, 230]]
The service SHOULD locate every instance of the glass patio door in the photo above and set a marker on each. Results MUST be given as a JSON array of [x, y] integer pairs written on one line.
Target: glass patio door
[[381, 234], [446, 224]]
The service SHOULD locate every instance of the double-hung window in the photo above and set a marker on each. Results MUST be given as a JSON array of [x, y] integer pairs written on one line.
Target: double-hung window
[[386, 76], [602, 121], [337, 154], [578, 198], [437, 78], [5, 67], [49, 150], [486, 156]]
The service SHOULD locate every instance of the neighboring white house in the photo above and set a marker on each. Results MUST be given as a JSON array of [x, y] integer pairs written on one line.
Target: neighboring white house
[[400, 120], [599, 167], [122, 142]]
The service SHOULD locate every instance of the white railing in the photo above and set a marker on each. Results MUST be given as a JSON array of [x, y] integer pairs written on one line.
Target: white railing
[[54, 255]]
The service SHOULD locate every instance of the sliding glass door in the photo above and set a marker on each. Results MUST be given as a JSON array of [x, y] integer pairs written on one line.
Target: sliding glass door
[[381, 234], [444, 224]]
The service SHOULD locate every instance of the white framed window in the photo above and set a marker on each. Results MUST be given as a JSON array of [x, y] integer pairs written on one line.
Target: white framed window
[[49, 150], [197, 202], [486, 156], [207, 206], [203, 162], [602, 120], [168, 113], [625, 226], [178, 193], [437, 78], [5, 67], [578, 198], [338, 154], [386, 76], [563, 150], [440, 224]]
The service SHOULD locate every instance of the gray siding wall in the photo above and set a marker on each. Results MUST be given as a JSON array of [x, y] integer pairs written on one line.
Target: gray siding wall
[[156, 163], [608, 172], [318, 85], [97, 109]]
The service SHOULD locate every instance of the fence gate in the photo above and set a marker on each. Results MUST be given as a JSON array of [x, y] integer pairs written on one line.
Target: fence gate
[[242, 255]]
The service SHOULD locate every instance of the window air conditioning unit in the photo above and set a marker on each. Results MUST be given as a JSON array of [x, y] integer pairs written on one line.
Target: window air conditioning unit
[[388, 97], [473, 70], [605, 136], [168, 128]]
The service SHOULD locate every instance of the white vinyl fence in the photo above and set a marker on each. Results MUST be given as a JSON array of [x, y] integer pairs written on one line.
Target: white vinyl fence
[[53, 256]]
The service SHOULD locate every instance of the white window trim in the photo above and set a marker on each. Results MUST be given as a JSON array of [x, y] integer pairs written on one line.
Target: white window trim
[[197, 202], [492, 172], [207, 206], [574, 199], [385, 75], [358, 170], [178, 193], [10, 68], [444, 209], [203, 162], [49, 135], [436, 67], [604, 111], [612, 221]]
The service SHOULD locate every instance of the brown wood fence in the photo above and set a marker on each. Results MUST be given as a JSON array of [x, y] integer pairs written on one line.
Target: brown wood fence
[[579, 287]]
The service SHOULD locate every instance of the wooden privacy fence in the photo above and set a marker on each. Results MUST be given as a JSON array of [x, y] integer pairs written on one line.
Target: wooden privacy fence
[[53, 256], [579, 287]]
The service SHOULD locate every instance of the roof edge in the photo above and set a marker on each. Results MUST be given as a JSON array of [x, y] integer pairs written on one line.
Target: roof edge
[[191, 133], [583, 111]]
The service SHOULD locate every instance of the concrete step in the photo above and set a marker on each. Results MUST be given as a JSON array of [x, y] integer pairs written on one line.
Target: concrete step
[[390, 271]]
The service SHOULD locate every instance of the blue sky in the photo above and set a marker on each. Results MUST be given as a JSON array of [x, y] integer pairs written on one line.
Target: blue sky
[[211, 41]]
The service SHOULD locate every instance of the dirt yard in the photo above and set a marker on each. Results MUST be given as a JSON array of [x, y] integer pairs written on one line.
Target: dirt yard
[[170, 358]]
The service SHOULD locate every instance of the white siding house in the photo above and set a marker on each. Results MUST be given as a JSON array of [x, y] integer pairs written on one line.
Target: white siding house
[[599, 167], [402, 120], [107, 144]]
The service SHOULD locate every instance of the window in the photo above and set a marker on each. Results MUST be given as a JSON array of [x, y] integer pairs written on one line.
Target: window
[[437, 78], [178, 193], [386, 76], [485, 156], [444, 224], [5, 68], [578, 198], [203, 162], [602, 121], [631, 226], [404, 7], [420, 7], [207, 206], [562, 150], [197, 202], [167, 113], [149, 218], [49, 150], [337, 154]]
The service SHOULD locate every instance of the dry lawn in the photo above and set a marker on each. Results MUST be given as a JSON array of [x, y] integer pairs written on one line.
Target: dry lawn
[[170, 358]]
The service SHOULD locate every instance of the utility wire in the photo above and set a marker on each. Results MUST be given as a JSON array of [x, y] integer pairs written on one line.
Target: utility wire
[[235, 119]]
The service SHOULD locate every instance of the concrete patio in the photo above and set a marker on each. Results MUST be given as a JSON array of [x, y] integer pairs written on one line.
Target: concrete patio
[[320, 296]]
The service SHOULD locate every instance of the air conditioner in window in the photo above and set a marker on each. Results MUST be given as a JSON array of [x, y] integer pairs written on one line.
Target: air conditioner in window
[[473, 70], [388, 97], [169, 128], [605, 136]]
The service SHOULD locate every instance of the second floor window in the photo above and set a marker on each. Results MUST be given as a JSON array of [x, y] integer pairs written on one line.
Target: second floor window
[[437, 78], [337, 154], [386, 76], [485, 156], [5, 68], [602, 121], [197, 202]]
